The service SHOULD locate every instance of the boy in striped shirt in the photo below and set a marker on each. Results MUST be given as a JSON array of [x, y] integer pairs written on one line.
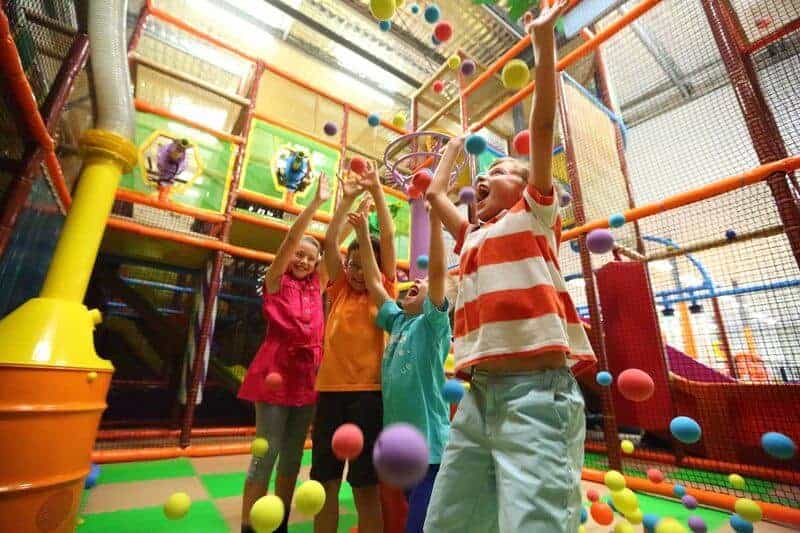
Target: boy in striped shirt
[[514, 459]]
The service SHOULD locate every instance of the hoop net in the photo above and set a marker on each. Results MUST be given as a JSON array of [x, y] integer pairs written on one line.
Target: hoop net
[[412, 152]]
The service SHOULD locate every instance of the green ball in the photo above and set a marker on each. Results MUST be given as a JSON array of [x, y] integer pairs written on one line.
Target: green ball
[[266, 514], [259, 447], [309, 498], [515, 74], [177, 506], [736, 481]]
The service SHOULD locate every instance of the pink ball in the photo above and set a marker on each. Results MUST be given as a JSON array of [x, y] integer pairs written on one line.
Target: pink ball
[[592, 495], [443, 31], [401, 456], [655, 475], [438, 86], [467, 67], [347, 442], [273, 381], [600, 241], [522, 142], [330, 128], [635, 385]]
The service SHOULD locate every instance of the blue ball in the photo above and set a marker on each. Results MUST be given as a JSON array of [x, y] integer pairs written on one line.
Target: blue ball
[[414, 8], [453, 391], [679, 491], [373, 120], [685, 429], [435, 41], [475, 144], [649, 521], [575, 246], [584, 515], [422, 262], [91, 479], [385, 25], [432, 13], [778, 445], [730, 234], [740, 525], [604, 378], [617, 220]]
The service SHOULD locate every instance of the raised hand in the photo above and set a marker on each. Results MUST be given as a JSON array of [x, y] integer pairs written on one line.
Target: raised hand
[[366, 205], [369, 179], [323, 193], [546, 21], [350, 188], [359, 222]]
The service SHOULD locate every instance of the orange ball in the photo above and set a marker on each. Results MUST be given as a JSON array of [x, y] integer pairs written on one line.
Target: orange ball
[[358, 165], [347, 442], [635, 385], [443, 31], [422, 180], [522, 142], [602, 513]]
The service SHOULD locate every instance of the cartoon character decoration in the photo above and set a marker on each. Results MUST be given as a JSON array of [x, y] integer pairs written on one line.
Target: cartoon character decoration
[[293, 168], [172, 161]]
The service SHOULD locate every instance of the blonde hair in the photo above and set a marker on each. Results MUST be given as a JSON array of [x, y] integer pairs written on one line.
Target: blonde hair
[[518, 168]]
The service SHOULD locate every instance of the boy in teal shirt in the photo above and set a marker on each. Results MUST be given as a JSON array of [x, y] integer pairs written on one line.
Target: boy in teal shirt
[[412, 371]]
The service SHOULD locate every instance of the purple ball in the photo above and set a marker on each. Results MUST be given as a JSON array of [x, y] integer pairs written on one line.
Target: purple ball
[[330, 128], [689, 501], [697, 525], [600, 241], [400, 456], [466, 195], [468, 67], [564, 199]]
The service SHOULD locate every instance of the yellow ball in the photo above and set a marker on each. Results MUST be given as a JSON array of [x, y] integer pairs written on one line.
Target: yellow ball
[[466, 386], [515, 74], [382, 9], [614, 480], [309, 498], [453, 62], [627, 446], [625, 500], [399, 120], [669, 525], [581, 529], [177, 506], [266, 514], [748, 509], [259, 447], [623, 527], [91, 376], [636, 517], [736, 481], [450, 364]]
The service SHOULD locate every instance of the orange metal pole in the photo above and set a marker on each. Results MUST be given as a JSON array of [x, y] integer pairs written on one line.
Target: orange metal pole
[[695, 195], [141, 434], [139, 198], [599, 38], [149, 108], [286, 126]]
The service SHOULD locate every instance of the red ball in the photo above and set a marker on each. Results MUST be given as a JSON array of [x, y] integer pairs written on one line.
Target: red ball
[[443, 31], [522, 142], [438, 86], [413, 192], [422, 179], [635, 385], [655, 475], [273, 381], [347, 442], [592, 495], [358, 165], [602, 513]]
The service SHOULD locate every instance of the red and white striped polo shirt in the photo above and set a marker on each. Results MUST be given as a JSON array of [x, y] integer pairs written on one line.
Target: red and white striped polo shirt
[[512, 299]]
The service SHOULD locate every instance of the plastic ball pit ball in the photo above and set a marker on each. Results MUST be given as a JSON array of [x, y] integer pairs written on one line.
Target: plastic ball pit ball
[[635, 517], [91, 479], [443, 31], [273, 381], [635, 385], [309, 498], [422, 180], [438, 86], [617, 220], [347, 442], [453, 391], [679, 491], [382, 9], [689, 501], [736, 481], [584, 515], [432, 14], [422, 262], [373, 120], [522, 142], [730, 234], [601, 513], [399, 120], [259, 447], [466, 195], [649, 522], [625, 500], [778, 445], [603, 378], [614, 480], [475, 144], [748, 509], [515, 74], [435, 41], [453, 62], [627, 446], [564, 199], [330, 129], [401, 456], [740, 525], [267, 513], [177, 505], [414, 9], [468, 67], [358, 165], [623, 527], [655, 475], [592, 495], [385, 25], [697, 524], [685, 429], [669, 525], [600, 241]]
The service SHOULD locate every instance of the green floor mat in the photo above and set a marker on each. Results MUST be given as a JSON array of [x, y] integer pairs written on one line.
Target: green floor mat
[[663, 508], [146, 470], [202, 517], [224, 485]]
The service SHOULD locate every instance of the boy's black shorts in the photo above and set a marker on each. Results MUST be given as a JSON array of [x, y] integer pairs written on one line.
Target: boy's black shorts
[[362, 408]]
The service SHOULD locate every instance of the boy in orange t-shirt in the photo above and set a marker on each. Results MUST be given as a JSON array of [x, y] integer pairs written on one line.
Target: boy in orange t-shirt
[[349, 378]]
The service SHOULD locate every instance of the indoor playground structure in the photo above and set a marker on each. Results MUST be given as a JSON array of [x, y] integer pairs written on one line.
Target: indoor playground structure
[[152, 158]]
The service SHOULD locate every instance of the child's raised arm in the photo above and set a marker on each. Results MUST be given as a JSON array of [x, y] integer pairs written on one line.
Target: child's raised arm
[[372, 275], [436, 194], [333, 263], [542, 121], [272, 279], [372, 184], [437, 262]]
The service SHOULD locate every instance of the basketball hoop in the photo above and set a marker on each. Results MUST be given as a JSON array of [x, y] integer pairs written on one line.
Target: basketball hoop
[[414, 151]]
